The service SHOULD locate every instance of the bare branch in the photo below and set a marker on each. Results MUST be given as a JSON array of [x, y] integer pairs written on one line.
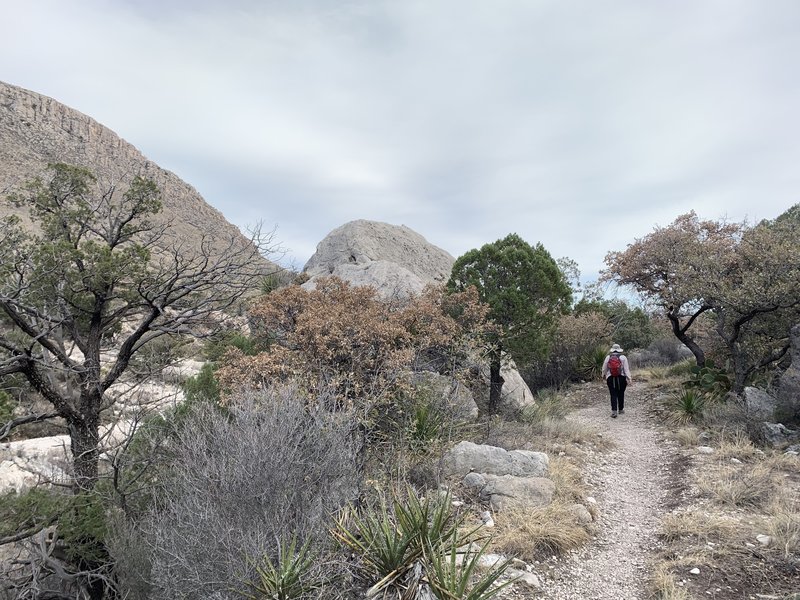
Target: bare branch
[[14, 423]]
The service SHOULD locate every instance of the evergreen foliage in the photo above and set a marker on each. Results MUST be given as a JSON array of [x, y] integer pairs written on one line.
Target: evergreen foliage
[[526, 293]]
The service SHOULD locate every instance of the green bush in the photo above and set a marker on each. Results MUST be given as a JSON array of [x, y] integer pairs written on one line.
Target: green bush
[[203, 387], [631, 327], [218, 345], [6, 407], [30, 510], [80, 522]]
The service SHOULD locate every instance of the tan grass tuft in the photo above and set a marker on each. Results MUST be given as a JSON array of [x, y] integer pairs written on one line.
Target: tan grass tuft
[[780, 461], [687, 436], [567, 477], [664, 586], [703, 526], [531, 533], [739, 446], [746, 486], [784, 528]]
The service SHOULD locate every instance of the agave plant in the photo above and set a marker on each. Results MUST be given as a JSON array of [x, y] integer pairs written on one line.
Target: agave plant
[[453, 574]]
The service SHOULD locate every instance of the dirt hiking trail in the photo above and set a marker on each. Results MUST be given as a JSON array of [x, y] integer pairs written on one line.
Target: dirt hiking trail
[[632, 484]]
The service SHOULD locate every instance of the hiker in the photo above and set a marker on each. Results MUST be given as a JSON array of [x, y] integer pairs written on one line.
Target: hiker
[[617, 374]]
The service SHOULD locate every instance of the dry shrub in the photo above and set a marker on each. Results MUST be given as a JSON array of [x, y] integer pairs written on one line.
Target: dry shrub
[[575, 336], [347, 339], [750, 486], [551, 425], [662, 351], [727, 416], [702, 526], [268, 467], [531, 533], [779, 461]]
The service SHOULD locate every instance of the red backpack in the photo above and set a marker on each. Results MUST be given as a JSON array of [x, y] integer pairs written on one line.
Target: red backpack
[[615, 365]]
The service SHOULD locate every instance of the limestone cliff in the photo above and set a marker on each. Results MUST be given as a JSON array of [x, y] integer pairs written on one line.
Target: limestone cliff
[[36, 130]]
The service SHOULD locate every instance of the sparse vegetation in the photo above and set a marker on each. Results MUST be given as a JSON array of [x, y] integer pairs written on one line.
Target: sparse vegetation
[[338, 403]]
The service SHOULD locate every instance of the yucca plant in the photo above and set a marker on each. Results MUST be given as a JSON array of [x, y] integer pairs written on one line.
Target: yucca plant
[[426, 426], [590, 363], [453, 574], [400, 547], [384, 547], [288, 577], [690, 405]]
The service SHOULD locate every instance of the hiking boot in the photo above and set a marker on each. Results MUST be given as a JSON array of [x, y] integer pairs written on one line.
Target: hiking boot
[[622, 412], [613, 414]]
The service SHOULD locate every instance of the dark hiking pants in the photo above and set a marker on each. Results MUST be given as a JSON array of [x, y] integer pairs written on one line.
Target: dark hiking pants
[[617, 385]]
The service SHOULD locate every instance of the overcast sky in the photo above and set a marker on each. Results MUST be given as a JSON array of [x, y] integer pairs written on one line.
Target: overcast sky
[[580, 125]]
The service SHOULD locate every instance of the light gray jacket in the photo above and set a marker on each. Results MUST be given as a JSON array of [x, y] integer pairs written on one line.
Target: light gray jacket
[[626, 369]]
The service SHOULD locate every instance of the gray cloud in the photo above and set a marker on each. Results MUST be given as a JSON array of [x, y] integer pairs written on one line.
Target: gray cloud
[[580, 125]]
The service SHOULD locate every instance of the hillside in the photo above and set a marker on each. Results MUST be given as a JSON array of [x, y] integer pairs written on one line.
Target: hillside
[[36, 130]]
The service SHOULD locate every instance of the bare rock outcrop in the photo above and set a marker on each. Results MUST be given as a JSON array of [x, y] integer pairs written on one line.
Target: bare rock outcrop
[[393, 259], [36, 130], [787, 409], [501, 477], [466, 457]]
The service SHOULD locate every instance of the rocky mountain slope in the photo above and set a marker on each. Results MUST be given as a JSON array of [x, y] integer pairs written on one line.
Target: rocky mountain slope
[[36, 130]]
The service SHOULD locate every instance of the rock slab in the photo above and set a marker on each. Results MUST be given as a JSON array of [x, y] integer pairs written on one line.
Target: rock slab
[[467, 457]]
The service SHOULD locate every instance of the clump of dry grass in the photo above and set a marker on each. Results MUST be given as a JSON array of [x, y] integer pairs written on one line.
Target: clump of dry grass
[[779, 461], [568, 480], [702, 526], [751, 486], [564, 430], [737, 444], [546, 425], [664, 586], [687, 436], [784, 529], [530, 533], [654, 373]]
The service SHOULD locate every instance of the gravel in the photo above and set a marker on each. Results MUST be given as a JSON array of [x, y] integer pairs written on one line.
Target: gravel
[[631, 485]]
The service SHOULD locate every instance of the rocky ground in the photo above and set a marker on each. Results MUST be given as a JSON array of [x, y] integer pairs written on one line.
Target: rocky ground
[[633, 484]]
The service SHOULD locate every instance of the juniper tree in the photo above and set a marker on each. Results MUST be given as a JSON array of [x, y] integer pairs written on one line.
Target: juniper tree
[[526, 293], [94, 283]]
